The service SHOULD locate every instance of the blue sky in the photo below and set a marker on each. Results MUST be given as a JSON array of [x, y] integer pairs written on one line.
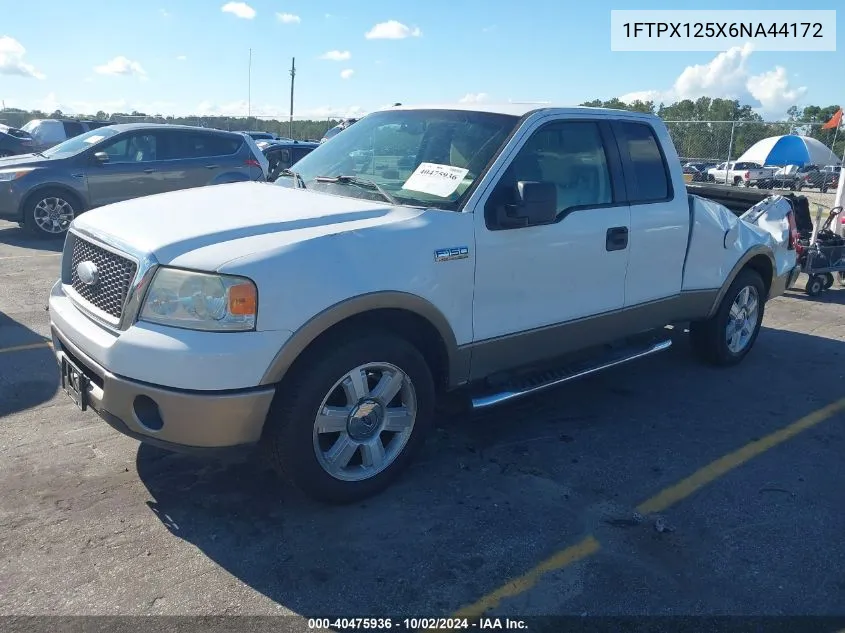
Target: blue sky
[[191, 57]]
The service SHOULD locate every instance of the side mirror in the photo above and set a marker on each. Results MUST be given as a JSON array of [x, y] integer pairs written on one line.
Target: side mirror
[[101, 157], [536, 204]]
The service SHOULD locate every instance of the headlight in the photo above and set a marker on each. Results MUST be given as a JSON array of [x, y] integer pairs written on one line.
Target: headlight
[[7, 175], [200, 301]]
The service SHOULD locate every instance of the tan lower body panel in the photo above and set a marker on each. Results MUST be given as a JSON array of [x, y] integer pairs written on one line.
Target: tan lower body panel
[[187, 419], [543, 344]]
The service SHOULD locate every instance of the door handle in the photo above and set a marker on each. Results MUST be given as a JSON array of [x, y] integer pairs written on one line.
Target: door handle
[[617, 238], [212, 166], [149, 171]]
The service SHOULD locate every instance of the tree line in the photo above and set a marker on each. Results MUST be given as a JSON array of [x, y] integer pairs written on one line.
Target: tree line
[[298, 129], [704, 128]]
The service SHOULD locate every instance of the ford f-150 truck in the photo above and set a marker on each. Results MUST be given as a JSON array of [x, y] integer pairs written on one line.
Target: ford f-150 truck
[[324, 316]]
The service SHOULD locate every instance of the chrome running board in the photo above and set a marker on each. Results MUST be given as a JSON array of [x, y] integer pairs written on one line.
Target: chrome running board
[[547, 379]]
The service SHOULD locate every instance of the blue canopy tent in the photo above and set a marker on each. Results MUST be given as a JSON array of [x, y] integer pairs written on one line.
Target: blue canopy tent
[[789, 149]]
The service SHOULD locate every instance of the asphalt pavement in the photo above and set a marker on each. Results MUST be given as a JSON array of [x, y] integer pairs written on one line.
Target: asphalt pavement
[[544, 507]]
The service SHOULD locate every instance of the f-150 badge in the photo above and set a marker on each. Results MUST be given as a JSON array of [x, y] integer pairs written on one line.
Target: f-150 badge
[[448, 254]]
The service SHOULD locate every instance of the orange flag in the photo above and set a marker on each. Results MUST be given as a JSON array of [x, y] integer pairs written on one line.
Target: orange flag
[[834, 122]]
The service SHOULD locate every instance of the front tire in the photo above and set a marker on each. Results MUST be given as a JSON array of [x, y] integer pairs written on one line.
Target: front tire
[[726, 338], [48, 214], [351, 417]]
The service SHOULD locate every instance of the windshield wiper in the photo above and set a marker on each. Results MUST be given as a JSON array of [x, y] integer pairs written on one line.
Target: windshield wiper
[[361, 182], [300, 183]]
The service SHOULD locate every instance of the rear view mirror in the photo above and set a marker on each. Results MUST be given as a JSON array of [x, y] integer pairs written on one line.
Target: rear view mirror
[[535, 204], [101, 157]]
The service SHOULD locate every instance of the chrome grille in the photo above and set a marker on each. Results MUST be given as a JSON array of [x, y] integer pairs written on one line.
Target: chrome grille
[[114, 276]]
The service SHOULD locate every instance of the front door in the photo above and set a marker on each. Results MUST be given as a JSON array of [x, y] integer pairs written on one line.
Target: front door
[[130, 172], [540, 276]]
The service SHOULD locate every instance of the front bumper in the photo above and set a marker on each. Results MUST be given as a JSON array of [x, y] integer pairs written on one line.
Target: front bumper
[[178, 420]]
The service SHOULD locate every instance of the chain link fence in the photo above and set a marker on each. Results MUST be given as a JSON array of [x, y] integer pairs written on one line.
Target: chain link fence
[[720, 141]]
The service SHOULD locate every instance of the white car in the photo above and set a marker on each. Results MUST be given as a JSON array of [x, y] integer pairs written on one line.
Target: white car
[[324, 316]]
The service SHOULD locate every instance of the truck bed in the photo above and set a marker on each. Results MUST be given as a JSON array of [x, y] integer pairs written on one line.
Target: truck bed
[[737, 199]]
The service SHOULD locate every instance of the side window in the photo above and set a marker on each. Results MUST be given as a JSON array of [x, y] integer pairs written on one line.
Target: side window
[[299, 152], [641, 155], [73, 128], [201, 145], [134, 148], [569, 154]]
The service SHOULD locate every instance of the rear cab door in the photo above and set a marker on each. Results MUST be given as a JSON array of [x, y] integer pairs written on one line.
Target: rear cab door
[[659, 207]]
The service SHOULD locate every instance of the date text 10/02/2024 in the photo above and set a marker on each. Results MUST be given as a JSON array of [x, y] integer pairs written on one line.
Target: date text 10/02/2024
[[415, 624]]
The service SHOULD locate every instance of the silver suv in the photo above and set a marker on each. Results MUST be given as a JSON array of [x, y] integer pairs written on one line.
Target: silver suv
[[45, 191]]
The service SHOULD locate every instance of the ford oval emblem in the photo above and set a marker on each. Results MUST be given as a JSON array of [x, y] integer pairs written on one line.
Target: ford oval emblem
[[88, 273]]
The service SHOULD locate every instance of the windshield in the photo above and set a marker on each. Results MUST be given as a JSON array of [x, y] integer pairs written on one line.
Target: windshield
[[425, 158], [31, 125], [79, 143]]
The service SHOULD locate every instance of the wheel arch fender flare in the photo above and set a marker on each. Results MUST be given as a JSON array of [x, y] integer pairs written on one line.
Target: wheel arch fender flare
[[759, 258], [345, 310]]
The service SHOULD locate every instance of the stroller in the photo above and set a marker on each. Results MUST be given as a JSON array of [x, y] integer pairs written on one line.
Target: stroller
[[821, 253]]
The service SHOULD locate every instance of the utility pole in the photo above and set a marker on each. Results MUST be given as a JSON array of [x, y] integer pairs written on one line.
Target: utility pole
[[292, 77], [249, 90]]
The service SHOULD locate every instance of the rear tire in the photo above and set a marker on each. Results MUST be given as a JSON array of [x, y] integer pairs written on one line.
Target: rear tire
[[336, 436], [726, 338]]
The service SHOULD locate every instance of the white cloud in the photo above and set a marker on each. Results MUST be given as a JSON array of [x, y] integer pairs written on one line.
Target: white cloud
[[489, 29], [392, 30], [288, 18], [328, 15], [726, 76], [346, 74], [121, 65], [474, 97], [336, 56], [182, 58], [164, 13], [239, 9], [12, 59]]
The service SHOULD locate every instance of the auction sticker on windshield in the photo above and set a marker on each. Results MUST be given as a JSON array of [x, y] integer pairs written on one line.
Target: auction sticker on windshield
[[436, 180]]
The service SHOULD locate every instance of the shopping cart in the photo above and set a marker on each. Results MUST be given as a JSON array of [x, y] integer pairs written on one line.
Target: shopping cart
[[820, 249]]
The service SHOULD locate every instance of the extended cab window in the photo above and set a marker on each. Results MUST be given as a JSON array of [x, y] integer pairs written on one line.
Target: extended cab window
[[569, 154], [641, 154]]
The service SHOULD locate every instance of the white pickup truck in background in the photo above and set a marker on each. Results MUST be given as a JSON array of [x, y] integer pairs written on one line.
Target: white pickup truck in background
[[741, 174], [482, 255]]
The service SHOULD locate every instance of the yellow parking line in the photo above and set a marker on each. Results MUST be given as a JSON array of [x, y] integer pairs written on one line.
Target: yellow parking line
[[21, 348], [563, 558], [700, 478], [659, 502]]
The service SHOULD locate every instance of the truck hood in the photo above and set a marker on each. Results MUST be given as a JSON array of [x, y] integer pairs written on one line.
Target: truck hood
[[208, 226]]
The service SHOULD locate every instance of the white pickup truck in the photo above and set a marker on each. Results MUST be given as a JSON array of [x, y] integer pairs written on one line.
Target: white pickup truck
[[483, 254], [741, 174]]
